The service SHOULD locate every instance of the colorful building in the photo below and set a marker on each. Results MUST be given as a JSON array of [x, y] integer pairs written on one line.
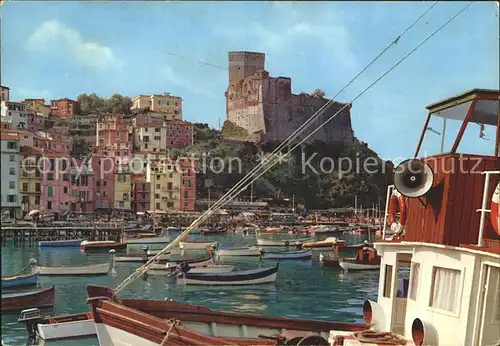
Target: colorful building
[[35, 122], [31, 179], [10, 201], [82, 186], [56, 184], [141, 194], [163, 103], [4, 93], [38, 106], [104, 182], [64, 108], [179, 134], [14, 113]]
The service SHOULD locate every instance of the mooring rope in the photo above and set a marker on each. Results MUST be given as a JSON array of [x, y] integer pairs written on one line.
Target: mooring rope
[[380, 338], [172, 322]]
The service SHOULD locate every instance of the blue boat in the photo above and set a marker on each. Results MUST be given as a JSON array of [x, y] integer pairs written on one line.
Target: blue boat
[[60, 243], [20, 280]]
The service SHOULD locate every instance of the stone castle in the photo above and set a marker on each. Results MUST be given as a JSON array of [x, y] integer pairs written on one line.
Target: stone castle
[[268, 110]]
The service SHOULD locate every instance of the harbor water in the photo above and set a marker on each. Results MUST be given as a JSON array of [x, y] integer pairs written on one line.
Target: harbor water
[[303, 289]]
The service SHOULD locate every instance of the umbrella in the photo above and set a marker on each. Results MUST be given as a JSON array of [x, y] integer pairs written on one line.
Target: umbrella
[[33, 212]]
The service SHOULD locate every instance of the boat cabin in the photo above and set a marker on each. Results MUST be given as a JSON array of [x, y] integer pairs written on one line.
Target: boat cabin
[[440, 281]]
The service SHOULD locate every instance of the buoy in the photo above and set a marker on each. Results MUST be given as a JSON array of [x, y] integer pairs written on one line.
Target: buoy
[[495, 216], [396, 202]]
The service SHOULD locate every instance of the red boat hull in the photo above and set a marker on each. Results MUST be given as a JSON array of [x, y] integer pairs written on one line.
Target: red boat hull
[[37, 299]]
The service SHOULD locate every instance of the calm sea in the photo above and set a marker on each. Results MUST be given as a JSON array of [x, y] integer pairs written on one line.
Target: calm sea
[[303, 290]]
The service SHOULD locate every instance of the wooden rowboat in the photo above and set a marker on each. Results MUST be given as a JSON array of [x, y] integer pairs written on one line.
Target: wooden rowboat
[[196, 245], [238, 251], [145, 322], [65, 327], [291, 242], [329, 259], [102, 245], [197, 269], [20, 280], [294, 255], [60, 243], [244, 277], [191, 261], [43, 298], [327, 243], [89, 270], [366, 259]]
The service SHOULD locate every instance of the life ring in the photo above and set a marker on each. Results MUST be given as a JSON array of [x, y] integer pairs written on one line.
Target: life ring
[[396, 202], [495, 216]]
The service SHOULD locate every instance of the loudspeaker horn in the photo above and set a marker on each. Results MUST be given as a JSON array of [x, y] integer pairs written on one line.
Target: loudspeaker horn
[[413, 178]]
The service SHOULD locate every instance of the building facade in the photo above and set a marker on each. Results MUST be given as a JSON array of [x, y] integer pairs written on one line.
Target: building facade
[[56, 184], [14, 113], [64, 108], [179, 134], [31, 179], [38, 106], [163, 103], [10, 155], [268, 110], [4, 93]]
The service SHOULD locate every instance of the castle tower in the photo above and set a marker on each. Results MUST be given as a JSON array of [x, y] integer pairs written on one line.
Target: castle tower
[[244, 64]]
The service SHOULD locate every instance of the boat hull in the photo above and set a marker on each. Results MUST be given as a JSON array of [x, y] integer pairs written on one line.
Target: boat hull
[[247, 277], [328, 260], [205, 269], [249, 251], [111, 336], [104, 245], [97, 269], [293, 255], [346, 265], [20, 280], [145, 241], [292, 242], [61, 243], [173, 264], [35, 299], [196, 245], [65, 327]]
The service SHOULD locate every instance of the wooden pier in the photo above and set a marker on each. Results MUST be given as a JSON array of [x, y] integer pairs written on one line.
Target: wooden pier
[[34, 234]]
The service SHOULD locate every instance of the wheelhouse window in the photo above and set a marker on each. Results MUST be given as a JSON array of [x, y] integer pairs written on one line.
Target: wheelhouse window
[[415, 275], [445, 289], [387, 281]]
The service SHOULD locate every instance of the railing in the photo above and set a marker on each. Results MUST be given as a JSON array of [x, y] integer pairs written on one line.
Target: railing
[[390, 190], [483, 209]]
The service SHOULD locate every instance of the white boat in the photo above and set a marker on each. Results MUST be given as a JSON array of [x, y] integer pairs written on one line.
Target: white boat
[[347, 266], [198, 269], [238, 251], [90, 270], [138, 258], [244, 277], [197, 245], [191, 262], [66, 327], [146, 241], [295, 255], [366, 259], [291, 242], [173, 252]]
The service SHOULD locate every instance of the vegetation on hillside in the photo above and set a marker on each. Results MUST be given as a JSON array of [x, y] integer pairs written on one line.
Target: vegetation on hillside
[[232, 131], [93, 104]]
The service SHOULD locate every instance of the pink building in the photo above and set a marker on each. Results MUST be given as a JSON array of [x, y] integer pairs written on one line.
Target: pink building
[[187, 186], [35, 121], [82, 187], [56, 185], [103, 182], [141, 194], [179, 134]]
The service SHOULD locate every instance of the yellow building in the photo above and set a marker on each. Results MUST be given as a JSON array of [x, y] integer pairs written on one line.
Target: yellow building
[[163, 103], [165, 187], [123, 190], [30, 179], [39, 106]]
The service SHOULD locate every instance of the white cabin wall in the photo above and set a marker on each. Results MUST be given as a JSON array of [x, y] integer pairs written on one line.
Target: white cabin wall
[[388, 258], [428, 258]]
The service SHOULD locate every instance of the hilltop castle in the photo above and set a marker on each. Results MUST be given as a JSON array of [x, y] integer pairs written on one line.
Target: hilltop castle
[[266, 108]]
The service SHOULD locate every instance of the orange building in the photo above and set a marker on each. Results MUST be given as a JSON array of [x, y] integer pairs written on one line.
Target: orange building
[[64, 108]]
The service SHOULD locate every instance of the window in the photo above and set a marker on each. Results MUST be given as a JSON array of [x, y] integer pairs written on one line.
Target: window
[[37, 200], [65, 189], [49, 205], [415, 272], [11, 198], [12, 158], [158, 206], [12, 184], [388, 281], [25, 187], [50, 176], [50, 191], [12, 171], [445, 289], [37, 188], [11, 145]]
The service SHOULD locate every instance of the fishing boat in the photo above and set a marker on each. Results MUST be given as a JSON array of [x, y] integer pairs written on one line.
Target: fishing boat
[[128, 321], [66, 327], [20, 280], [42, 298], [292, 255], [329, 259], [366, 259], [71, 270], [190, 261], [196, 269], [102, 245], [291, 242], [328, 242], [197, 245], [446, 246], [244, 277], [147, 238], [60, 243], [140, 258], [213, 231], [230, 251]]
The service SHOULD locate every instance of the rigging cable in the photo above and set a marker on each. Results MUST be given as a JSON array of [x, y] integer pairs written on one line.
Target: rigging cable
[[270, 163]]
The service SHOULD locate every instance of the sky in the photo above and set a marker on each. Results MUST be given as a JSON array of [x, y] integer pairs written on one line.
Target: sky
[[62, 49]]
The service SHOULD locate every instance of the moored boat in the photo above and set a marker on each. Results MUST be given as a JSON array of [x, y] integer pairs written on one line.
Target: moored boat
[[196, 269], [102, 245], [190, 261], [197, 245], [60, 243], [328, 242], [20, 280], [366, 259], [329, 259], [66, 327], [239, 328], [229, 251], [72, 270], [244, 277], [41, 298], [293, 255], [291, 242], [147, 238]]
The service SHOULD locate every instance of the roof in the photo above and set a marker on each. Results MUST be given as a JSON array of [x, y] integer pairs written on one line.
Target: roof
[[9, 136], [30, 150], [488, 94], [5, 87]]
